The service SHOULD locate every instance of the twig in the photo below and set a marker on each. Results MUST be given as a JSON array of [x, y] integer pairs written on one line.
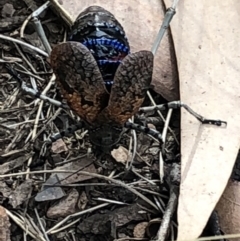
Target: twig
[[24, 44]]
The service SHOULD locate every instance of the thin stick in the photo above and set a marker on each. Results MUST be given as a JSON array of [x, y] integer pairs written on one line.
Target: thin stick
[[24, 44]]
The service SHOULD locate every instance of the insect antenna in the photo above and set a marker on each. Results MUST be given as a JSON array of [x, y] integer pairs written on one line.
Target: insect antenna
[[179, 104], [149, 131]]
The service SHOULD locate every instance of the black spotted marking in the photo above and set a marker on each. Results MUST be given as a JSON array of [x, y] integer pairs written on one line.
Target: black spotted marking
[[144, 129]]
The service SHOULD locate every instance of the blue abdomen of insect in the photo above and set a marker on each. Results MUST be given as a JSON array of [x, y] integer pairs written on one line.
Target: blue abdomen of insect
[[104, 36]]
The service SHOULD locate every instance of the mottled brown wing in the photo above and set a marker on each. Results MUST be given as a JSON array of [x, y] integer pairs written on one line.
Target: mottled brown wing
[[131, 82], [80, 79]]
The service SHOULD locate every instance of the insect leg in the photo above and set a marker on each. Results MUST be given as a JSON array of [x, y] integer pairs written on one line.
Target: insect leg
[[166, 22], [39, 27], [145, 130], [179, 104], [70, 130]]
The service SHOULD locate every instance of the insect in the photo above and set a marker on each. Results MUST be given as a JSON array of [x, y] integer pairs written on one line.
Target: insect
[[102, 81], [98, 76]]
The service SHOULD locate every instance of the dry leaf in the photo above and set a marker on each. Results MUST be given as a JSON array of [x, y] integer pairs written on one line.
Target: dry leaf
[[120, 154], [59, 146], [150, 125], [140, 229], [228, 209], [8, 166], [4, 225], [21, 193], [5, 190], [98, 223], [82, 201], [65, 206], [83, 164], [49, 191], [7, 10], [207, 50]]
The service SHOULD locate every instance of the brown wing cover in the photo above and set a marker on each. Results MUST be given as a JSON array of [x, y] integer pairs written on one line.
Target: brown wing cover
[[80, 80], [131, 82]]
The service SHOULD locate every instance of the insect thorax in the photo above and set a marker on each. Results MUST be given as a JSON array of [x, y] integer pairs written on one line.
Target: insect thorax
[[104, 36], [105, 136]]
